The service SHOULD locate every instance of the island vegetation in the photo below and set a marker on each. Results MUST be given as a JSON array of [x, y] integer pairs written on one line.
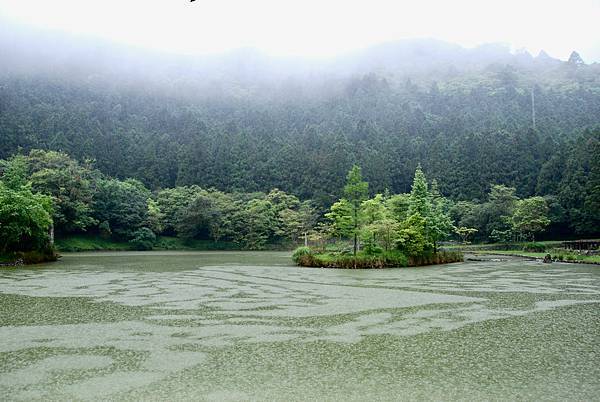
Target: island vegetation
[[394, 230]]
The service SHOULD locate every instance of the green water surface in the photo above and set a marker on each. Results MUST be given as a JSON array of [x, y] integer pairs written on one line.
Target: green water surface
[[249, 326]]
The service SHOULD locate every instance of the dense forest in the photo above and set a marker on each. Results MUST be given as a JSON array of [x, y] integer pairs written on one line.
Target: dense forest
[[47, 193], [243, 123]]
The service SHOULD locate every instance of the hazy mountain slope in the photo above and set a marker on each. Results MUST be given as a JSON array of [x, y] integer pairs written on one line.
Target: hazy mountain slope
[[246, 121]]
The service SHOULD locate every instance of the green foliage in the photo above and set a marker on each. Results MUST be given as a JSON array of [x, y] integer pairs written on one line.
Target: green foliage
[[341, 218], [14, 172], [376, 221], [499, 209], [386, 232], [155, 217], [84, 199], [308, 216], [535, 247], [368, 240], [171, 202], [254, 224], [420, 199], [250, 220], [224, 208], [439, 222], [428, 220], [398, 206], [441, 257], [355, 192], [143, 239], [530, 216], [25, 217], [502, 236], [391, 259], [123, 204], [300, 253], [465, 233], [88, 242], [69, 184], [491, 219], [412, 238], [373, 210], [286, 208], [579, 184], [104, 229], [194, 220], [347, 261]]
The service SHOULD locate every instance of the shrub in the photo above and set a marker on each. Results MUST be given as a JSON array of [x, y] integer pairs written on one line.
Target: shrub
[[301, 252], [104, 229], [534, 247], [442, 257], [143, 239], [371, 248]]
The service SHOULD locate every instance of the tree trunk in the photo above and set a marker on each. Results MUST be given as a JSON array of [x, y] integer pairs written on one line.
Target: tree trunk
[[51, 234], [355, 229]]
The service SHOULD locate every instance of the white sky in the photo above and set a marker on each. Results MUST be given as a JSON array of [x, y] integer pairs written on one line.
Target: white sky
[[318, 28]]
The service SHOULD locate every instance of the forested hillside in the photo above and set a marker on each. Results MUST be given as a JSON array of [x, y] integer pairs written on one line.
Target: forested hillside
[[240, 123]]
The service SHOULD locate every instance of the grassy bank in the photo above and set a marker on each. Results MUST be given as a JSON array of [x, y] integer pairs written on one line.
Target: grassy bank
[[531, 250], [539, 246], [305, 257], [560, 256], [97, 243]]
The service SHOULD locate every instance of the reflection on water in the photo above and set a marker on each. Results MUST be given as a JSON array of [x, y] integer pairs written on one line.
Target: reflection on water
[[245, 326]]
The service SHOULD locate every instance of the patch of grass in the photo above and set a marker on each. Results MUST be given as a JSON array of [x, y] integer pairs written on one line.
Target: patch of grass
[[89, 243], [175, 243], [96, 243], [545, 245], [535, 247]]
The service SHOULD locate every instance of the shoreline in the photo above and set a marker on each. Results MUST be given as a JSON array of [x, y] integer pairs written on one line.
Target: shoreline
[[534, 258]]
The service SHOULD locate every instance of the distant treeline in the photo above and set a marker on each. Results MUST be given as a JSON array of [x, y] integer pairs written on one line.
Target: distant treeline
[[47, 191], [74, 198]]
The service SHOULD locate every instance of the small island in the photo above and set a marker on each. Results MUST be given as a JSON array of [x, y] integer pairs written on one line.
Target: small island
[[385, 231]]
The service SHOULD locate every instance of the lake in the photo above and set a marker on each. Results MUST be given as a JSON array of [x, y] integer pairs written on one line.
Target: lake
[[250, 326]]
